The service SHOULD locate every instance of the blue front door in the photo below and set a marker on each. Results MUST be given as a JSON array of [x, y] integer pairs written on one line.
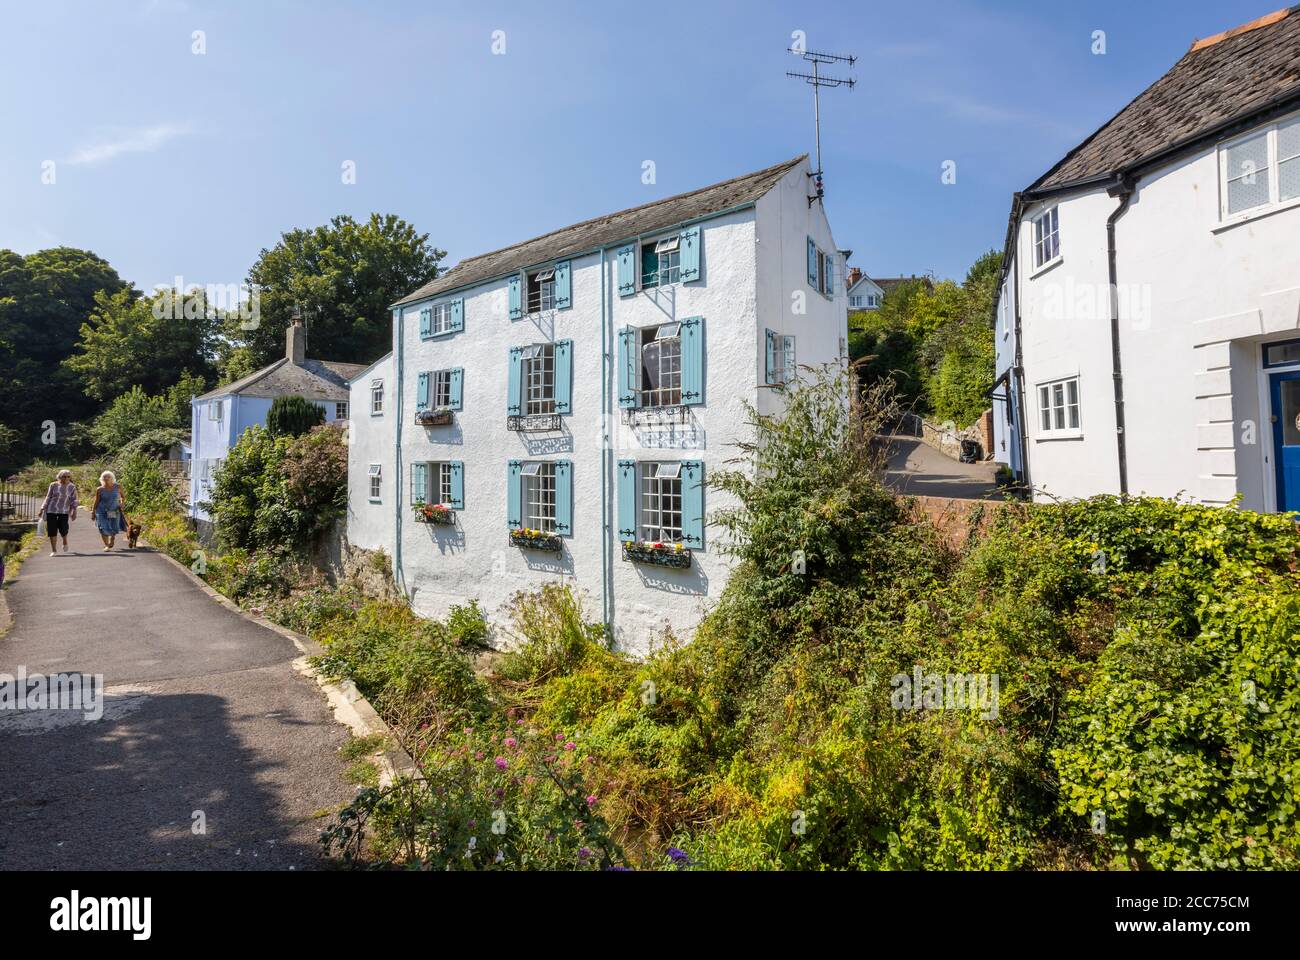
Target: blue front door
[[1285, 388]]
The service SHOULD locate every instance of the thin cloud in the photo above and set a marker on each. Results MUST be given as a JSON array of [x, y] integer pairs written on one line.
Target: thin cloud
[[145, 140], [975, 111]]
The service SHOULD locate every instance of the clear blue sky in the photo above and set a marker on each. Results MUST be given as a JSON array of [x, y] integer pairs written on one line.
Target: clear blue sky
[[173, 163]]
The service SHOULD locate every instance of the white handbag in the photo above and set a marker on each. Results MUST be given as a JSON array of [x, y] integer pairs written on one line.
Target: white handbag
[[40, 526]]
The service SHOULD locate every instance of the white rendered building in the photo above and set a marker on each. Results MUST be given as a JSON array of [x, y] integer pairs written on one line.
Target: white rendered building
[[553, 410]]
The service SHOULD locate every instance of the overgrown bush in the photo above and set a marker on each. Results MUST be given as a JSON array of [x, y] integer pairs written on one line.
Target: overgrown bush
[[280, 493]]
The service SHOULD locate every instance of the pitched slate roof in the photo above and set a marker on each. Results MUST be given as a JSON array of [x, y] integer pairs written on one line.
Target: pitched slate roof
[[609, 229], [313, 379], [1220, 79], [889, 283]]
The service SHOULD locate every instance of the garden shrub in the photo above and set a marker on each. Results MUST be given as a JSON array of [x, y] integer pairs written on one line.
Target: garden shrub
[[293, 416], [280, 492]]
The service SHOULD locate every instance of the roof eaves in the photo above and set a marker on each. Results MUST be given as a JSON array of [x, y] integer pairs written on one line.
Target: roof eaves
[[496, 278]]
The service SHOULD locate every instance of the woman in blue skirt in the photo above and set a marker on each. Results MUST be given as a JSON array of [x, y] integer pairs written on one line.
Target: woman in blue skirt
[[109, 509]]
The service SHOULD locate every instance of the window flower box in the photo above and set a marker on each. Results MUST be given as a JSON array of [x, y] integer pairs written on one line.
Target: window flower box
[[663, 554], [535, 539], [434, 513], [433, 418]]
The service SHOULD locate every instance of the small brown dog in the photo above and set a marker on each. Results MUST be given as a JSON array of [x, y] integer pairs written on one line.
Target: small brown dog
[[132, 534]]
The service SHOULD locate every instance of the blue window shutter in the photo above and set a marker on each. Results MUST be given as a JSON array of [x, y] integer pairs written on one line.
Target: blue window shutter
[[514, 511], [628, 362], [419, 482], [693, 503], [457, 378], [627, 270], [457, 315], [693, 360], [812, 263], [829, 285], [627, 500], [564, 497], [426, 321], [769, 369], [564, 376], [563, 286], [512, 285], [422, 392], [514, 400], [689, 257], [457, 468]]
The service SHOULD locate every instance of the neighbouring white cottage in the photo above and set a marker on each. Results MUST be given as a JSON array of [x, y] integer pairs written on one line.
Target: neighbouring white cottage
[[1148, 319], [553, 410], [219, 418]]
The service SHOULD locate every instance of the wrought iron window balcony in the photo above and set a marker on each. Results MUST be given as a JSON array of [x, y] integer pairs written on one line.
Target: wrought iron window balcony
[[533, 422]]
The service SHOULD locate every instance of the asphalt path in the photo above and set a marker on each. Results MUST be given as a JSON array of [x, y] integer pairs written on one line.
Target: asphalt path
[[206, 724]]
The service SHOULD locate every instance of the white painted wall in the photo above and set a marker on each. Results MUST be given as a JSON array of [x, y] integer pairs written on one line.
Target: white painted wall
[[1202, 296], [370, 524], [751, 260]]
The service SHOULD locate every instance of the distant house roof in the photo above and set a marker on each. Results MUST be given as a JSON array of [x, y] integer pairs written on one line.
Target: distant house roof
[[863, 278], [1229, 76], [606, 230], [889, 283], [313, 379]]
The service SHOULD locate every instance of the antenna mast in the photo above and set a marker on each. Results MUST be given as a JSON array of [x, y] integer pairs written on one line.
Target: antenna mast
[[817, 81]]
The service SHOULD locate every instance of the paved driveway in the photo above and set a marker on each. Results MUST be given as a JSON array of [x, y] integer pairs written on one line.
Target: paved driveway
[[919, 470], [203, 712]]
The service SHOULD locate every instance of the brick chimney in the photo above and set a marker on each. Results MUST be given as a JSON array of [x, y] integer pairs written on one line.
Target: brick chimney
[[855, 274], [295, 343]]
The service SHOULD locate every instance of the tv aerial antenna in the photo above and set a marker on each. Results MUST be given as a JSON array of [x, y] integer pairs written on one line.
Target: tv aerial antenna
[[817, 81]]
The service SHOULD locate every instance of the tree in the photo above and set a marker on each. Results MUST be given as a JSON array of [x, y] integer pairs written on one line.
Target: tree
[[45, 297], [133, 341], [934, 342], [293, 416], [136, 415], [345, 276], [129, 416]]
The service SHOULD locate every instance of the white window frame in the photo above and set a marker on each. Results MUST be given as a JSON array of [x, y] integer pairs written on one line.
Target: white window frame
[[857, 301], [669, 365], [440, 390], [545, 298], [376, 398], [437, 477], [375, 475], [788, 365], [1041, 240], [341, 409], [659, 501], [440, 318], [216, 410], [1274, 161], [537, 499], [537, 377], [1055, 408]]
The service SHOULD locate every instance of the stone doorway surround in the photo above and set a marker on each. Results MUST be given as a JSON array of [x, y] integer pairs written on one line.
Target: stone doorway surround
[[1216, 425]]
